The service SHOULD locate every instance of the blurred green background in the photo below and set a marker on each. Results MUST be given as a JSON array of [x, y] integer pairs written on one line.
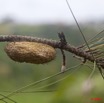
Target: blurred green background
[[74, 87]]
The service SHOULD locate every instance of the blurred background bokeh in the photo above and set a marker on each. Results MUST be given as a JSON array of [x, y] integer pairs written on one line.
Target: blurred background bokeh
[[45, 18]]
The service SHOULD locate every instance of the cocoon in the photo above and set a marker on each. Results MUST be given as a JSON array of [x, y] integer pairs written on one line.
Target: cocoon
[[30, 52]]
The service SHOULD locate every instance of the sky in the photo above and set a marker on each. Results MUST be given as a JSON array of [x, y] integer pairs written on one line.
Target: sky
[[51, 11]]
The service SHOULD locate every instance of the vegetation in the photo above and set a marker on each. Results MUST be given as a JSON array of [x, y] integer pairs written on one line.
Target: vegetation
[[73, 86]]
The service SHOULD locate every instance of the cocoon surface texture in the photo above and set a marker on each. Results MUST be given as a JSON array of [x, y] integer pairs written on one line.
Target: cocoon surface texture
[[30, 52]]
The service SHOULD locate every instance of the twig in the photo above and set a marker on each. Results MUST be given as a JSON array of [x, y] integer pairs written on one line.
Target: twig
[[53, 43], [63, 43]]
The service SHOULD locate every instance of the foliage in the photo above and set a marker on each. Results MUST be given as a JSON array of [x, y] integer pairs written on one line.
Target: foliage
[[14, 75]]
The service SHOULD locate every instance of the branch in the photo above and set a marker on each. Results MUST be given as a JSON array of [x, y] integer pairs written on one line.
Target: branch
[[53, 43]]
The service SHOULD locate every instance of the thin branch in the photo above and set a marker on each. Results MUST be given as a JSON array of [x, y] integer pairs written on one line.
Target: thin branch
[[53, 43], [63, 43]]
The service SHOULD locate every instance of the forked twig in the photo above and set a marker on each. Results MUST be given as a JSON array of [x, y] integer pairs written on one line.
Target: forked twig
[[63, 43]]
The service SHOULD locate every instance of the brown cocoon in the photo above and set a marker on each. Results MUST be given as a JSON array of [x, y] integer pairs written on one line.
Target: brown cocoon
[[30, 52]]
